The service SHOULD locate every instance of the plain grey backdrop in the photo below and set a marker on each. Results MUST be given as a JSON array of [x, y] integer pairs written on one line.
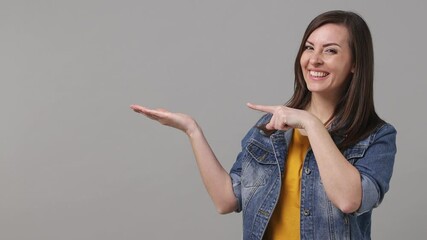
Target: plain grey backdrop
[[77, 163]]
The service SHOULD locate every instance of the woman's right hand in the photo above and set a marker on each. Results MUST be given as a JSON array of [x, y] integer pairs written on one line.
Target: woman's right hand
[[216, 180], [179, 121]]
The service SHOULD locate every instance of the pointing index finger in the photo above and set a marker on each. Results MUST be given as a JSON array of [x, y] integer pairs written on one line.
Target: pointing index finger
[[262, 108]]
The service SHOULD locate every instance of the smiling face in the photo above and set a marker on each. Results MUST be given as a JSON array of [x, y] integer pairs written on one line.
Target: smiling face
[[326, 61]]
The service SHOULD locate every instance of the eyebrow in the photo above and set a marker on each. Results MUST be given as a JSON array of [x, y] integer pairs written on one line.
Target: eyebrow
[[327, 44]]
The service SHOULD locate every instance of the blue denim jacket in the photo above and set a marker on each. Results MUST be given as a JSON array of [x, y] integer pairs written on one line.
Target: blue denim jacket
[[258, 171]]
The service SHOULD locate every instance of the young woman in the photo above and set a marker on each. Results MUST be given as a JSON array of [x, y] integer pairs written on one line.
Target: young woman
[[316, 167]]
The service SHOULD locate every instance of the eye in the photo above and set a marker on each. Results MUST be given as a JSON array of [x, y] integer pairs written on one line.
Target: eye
[[331, 51], [308, 47]]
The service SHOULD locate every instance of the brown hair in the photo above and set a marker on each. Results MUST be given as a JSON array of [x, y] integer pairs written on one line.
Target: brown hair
[[354, 116]]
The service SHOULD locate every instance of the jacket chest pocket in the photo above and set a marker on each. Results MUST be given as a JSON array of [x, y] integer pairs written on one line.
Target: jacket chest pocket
[[259, 164]]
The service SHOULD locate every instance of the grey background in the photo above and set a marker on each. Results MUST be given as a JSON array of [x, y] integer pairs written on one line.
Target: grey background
[[77, 163]]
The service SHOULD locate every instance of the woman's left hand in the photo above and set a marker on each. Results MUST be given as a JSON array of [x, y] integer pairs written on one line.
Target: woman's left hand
[[284, 117], [340, 179]]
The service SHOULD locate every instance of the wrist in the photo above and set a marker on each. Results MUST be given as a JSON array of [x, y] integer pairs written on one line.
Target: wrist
[[192, 129], [313, 123]]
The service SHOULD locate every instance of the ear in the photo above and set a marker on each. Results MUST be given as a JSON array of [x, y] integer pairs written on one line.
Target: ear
[[352, 68]]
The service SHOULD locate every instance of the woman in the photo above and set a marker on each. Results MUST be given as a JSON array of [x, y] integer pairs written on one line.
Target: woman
[[315, 168]]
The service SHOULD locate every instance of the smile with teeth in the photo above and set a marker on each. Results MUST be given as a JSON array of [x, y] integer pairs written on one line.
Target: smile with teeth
[[318, 74]]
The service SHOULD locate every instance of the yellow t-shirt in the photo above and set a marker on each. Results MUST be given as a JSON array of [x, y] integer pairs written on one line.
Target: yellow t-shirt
[[285, 221]]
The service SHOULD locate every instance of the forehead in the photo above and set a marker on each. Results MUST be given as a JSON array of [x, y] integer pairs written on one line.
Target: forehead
[[329, 33]]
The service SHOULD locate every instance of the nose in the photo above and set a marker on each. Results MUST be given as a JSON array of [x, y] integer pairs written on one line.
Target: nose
[[316, 59]]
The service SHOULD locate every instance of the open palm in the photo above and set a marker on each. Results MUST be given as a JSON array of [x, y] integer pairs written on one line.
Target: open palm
[[179, 121]]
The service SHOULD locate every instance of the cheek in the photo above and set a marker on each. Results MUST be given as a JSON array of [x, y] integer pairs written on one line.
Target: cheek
[[342, 75], [340, 66], [345, 63], [345, 69], [303, 61]]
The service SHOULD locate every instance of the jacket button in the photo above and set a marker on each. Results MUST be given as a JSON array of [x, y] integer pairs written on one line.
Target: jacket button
[[306, 212], [307, 171]]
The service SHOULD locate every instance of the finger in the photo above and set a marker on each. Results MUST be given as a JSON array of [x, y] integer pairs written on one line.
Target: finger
[[152, 117], [155, 114], [151, 113], [270, 126], [141, 109], [262, 108], [138, 108], [277, 123]]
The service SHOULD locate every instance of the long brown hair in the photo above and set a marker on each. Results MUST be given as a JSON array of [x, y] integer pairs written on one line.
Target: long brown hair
[[354, 116]]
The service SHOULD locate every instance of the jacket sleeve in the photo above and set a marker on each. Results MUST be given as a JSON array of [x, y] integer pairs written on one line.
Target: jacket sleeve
[[236, 169], [376, 168]]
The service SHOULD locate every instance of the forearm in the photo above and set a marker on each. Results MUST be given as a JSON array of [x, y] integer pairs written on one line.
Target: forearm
[[215, 178], [340, 179]]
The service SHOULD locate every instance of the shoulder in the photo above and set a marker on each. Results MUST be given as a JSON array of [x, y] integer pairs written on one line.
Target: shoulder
[[384, 130], [384, 134], [380, 142]]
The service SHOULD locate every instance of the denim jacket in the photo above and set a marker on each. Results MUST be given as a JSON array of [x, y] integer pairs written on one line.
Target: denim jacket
[[257, 175]]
